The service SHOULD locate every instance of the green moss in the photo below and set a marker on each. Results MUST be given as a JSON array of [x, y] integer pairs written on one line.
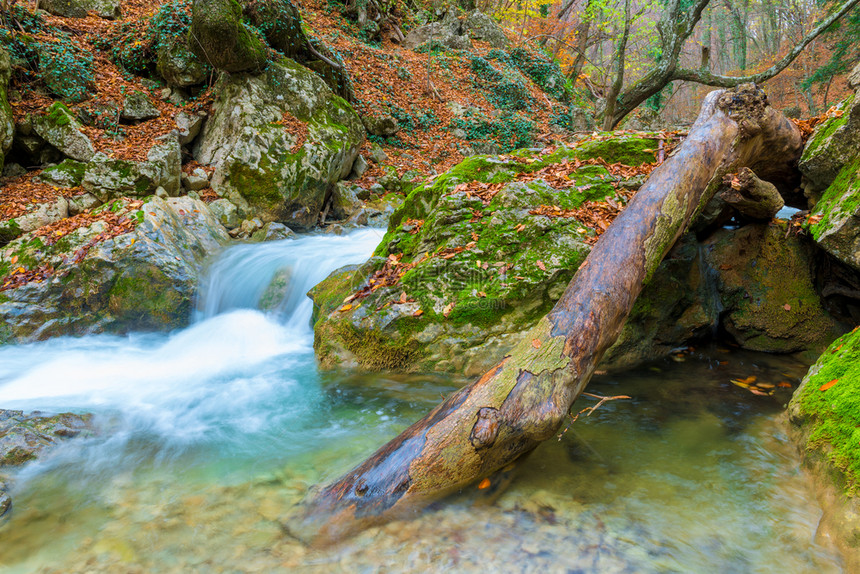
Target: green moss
[[9, 230], [626, 149], [840, 199], [834, 414], [67, 170], [826, 129], [59, 114]]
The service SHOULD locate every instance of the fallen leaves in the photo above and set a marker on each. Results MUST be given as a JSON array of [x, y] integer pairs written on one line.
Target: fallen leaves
[[826, 386], [118, 223]]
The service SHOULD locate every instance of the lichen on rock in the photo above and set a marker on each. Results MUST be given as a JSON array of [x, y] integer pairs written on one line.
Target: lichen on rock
[[262, 166]]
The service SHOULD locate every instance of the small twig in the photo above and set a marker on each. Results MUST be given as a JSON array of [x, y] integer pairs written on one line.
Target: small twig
[[662, 152], [589, 410]]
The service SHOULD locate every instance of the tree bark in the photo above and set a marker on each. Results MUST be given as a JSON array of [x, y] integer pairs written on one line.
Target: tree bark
[[485, 427], [752, 197]]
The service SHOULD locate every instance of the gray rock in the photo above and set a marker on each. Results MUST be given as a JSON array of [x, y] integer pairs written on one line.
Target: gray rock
[[854, 78], [359, 167], [59, 127], [384, 125], [13, 170], [273, 231], [108, 178], [196, 180], [377, 154], [344, 202], [450, 32], [188, 126], [83, 202], [24, 437], [108, 9], [178, 65], [138, 107], [258, 166], [161, 192], [68, 173], [483, 27], [226, 213], [142, 280], [43, 214]]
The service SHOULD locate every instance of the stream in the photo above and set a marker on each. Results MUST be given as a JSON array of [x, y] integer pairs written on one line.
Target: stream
[[210, 437]]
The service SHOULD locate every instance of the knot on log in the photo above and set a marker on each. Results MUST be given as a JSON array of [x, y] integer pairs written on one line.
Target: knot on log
[[486, 428], [746, 105]]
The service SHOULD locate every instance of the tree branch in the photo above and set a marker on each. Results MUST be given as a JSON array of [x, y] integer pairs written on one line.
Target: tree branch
[[707, 78]]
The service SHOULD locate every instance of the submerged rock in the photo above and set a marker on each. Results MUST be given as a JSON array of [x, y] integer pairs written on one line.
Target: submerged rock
[[766, 287], [823, 415], [90, 281], [267, 168], [25, 437]]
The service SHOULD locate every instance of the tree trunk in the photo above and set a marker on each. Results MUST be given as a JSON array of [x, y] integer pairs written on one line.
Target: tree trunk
[[483, 428], [618, 80]]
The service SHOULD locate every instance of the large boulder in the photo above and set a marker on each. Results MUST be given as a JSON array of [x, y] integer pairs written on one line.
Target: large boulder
[[449, 32], [766, 289], [59, 127], [219, 35], [834, 144], [823, 415], [482, 27], [470, 262], [108, 178], [835, 219], [128, 266], [831, 177], [279, 140]]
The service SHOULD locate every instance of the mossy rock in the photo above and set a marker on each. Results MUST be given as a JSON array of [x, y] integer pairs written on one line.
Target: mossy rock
[[765, 281], [24, 437], [67, 173], [481, 274], [220, 37], [834, 144], [837, 229], [145, 279], [824, 414], [260, 164]]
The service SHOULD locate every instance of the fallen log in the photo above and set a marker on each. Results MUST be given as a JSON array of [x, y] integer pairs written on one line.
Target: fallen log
[[484, 428]]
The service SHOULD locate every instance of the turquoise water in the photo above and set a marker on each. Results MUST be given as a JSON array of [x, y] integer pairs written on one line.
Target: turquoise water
[[213, 435]]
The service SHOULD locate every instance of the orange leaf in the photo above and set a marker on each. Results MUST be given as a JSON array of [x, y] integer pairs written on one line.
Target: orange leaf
[[748, 380], [783, 385], [484, 484], [418, 313], [536, 343], [541, 265], [826, 386], [787, 307], [346, 307]]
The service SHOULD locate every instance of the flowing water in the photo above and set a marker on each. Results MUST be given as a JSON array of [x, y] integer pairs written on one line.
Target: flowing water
[[210, 436]]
